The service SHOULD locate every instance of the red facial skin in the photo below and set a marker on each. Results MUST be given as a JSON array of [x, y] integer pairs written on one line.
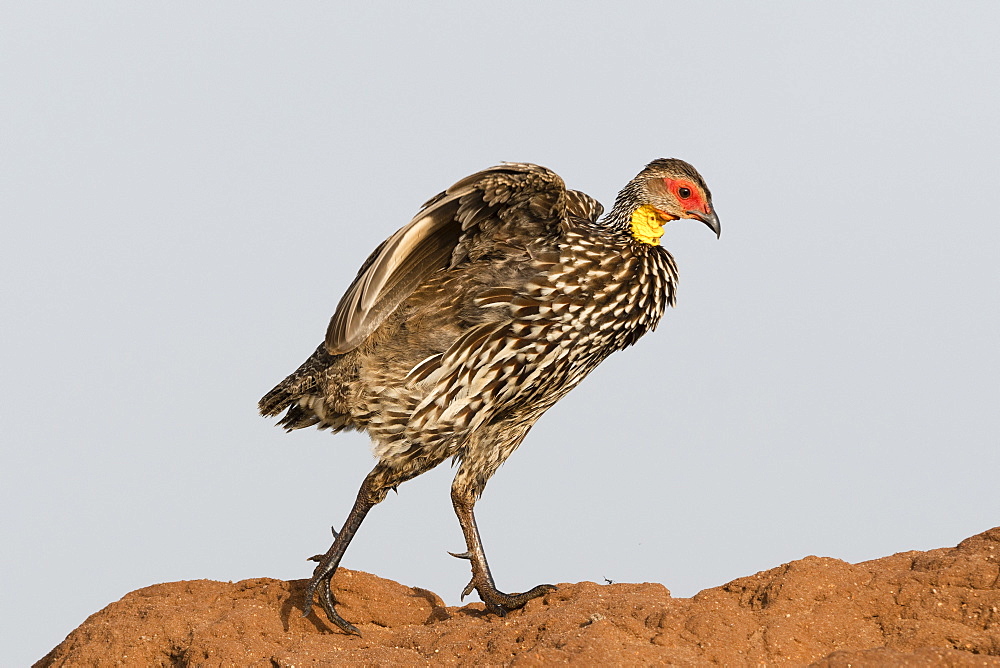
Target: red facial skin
[[693, 202]]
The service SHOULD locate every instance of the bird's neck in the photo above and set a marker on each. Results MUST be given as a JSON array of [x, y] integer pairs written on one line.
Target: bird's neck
[[641, 222]]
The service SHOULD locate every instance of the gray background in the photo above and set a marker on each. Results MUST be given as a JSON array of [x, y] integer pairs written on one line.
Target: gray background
[[188, 189]]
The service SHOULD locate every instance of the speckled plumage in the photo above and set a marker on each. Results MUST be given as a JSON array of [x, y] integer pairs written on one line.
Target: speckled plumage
[[465, 326]]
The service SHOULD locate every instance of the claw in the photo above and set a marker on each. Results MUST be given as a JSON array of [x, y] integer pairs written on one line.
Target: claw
[[501, 603], [462, 555], [326, 600], [469, 588], [308, 605], [320, 557]]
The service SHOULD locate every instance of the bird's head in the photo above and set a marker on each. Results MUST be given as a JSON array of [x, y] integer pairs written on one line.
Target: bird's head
[[667, 189]]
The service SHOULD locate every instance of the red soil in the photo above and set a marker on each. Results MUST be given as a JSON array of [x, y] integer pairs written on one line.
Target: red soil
[[935, 608]]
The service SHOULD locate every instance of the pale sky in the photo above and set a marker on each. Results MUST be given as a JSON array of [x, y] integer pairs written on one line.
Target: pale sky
[[187, 190]]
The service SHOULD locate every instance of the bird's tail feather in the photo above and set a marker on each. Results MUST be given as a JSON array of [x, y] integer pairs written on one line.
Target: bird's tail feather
[[302, 408]]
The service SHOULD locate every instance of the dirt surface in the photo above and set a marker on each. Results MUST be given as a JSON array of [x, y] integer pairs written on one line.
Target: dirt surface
[[936, 608]]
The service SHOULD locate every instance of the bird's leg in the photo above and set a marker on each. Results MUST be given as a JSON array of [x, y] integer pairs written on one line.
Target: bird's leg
[[464, 499], [371, 492]]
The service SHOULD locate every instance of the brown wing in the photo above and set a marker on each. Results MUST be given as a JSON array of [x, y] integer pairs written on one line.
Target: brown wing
[[583, 206], [447, 230]]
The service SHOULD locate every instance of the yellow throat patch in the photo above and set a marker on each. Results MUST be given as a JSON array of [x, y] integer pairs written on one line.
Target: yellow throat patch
[[647, 224]]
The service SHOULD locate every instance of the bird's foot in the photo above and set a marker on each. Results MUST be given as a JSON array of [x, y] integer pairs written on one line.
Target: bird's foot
[[321, 584], [496, 601], [500, 603]]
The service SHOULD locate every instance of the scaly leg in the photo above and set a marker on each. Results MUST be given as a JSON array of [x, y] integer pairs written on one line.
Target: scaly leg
[[463, 497], [371, 493]]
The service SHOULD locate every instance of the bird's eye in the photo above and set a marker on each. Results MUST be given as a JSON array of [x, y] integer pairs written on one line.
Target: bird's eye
[[684, 193]]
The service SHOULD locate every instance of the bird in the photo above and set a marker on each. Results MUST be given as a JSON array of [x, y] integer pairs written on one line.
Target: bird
[[462, 328]]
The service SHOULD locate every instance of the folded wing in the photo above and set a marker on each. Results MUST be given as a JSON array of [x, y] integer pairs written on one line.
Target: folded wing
[[479, 207]]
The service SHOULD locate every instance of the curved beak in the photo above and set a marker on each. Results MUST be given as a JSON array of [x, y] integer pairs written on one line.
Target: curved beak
[[709, 219]]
